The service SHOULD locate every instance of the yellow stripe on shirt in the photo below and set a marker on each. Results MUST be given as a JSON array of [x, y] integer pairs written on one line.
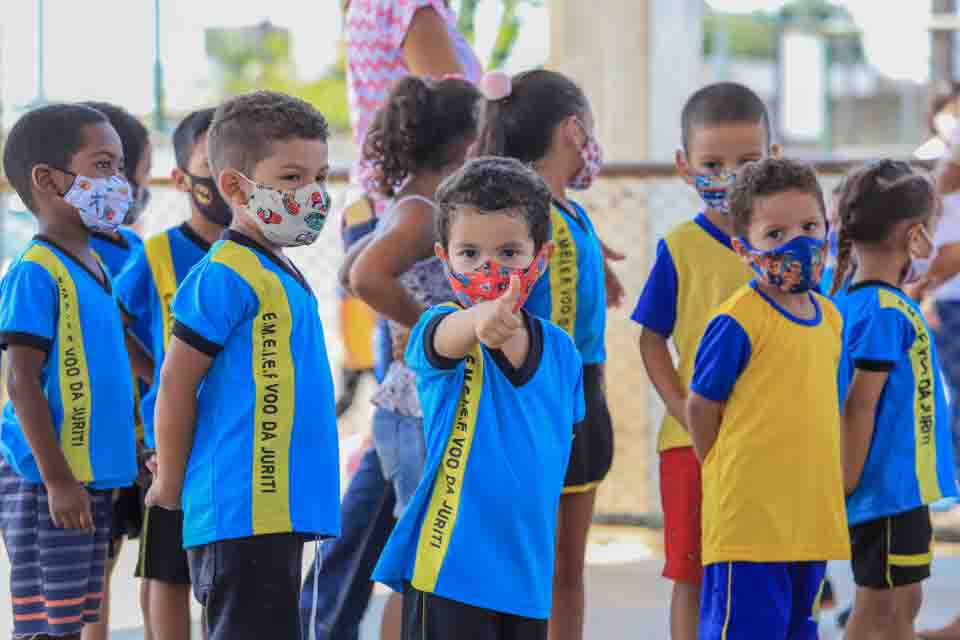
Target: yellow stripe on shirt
[[274, 378], [72, 365], [441, 516], [160, 260], [563, 275], [924, 399]]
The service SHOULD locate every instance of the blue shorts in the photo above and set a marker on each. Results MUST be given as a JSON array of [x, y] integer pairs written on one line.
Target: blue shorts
[[400, 444], [761, 600]]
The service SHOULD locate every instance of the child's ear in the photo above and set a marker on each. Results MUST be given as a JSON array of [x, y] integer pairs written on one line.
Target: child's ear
[[683, 167], [548, 249], [179, 178], [740, 249], [775, 150], [231, 186], [44, 183]]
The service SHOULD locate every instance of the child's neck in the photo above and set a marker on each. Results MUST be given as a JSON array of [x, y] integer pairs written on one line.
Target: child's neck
[[423, 184], [203, 227], [74, 238], [799, 304], [720, 220], [556, 177], [248, 228], [878, 266]]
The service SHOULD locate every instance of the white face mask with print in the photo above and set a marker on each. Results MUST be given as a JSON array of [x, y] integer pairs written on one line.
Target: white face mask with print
[[101, 202], [289, 218]]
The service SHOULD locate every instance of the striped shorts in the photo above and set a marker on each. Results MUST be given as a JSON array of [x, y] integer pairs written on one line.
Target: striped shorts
[[56, 576]]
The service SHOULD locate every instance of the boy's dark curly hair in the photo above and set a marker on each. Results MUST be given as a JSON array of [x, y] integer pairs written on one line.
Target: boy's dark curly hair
[[768, 177], [421, 126], [244, 128], [495, 185]]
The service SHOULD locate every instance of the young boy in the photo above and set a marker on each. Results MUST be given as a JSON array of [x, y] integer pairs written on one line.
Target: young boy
[[764, 416], [244, 419], [68, 432], [145, 290], [723, 126], [500, 390]]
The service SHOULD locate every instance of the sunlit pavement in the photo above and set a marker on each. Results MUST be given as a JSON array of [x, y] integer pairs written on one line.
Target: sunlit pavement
[[626, 596]]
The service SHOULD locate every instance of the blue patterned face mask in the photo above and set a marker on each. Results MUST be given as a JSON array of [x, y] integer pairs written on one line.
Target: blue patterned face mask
[[715, 190], [793, 267]]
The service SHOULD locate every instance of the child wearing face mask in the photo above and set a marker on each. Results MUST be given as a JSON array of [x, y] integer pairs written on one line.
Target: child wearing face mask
[[501, 390], [543, 119], [245, 426], [897, 455], [764, 418], [67, 436], [145, 290], [724, 126]]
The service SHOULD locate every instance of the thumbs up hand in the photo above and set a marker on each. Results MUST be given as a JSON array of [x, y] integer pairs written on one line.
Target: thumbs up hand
[[499, 320]]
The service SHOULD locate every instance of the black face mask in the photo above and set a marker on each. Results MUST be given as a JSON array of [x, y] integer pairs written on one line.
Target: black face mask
[[208, 201]]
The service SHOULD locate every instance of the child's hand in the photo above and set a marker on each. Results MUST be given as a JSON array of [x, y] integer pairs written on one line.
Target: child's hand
[[399, 337], [499, 320], [162, 495], [69, 505], [615, 290], [930, 314]]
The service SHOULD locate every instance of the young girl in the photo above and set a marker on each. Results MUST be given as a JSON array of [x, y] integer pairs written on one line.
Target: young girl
[[419, 137], [896, 435], [543, 118]]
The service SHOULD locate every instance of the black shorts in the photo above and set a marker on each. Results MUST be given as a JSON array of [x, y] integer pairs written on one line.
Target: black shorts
[[127, 517], [249, 587], [894, 551], [430, 617], [592, 452], [161, 548]]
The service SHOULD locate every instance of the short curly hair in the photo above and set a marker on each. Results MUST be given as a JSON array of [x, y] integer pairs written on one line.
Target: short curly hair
[[768, 177], [245, 127], [493, 184]]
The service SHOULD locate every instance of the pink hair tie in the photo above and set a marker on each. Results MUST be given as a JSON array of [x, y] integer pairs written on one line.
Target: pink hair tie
[[496, 85], [453, 76]]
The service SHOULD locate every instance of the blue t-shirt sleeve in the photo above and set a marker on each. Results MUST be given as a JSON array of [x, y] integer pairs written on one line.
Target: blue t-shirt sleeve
[[28, 307], [722, 356], [134, 285], [421, 356], [876, 340], [209, 304], [657, 306]]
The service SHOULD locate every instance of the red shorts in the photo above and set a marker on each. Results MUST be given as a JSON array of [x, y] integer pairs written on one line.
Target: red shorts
[[681, 496]]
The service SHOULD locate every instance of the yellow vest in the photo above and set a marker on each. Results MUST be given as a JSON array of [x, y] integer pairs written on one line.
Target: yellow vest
[[708, 273], [772, 483]]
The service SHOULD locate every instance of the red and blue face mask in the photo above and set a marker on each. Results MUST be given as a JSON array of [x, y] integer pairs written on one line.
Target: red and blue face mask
[[491, 279], [793, 267]]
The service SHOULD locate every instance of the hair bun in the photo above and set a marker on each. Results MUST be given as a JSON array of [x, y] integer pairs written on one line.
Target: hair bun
[[496, 85]]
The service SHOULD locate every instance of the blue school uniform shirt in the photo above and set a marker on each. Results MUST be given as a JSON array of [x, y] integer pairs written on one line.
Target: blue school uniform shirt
[[910, 461], [498, 443], [264, 457], [146, 288], [51, 301], [572, 293], [115, 252]]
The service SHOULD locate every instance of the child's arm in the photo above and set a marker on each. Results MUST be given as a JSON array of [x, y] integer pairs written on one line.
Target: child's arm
[[663, 374], [69, 502], [703, 422], [493, 323], [346, 265], [183, 369], [656, 312], [140, 359], [858, 420], [373, 276], [723, 354]]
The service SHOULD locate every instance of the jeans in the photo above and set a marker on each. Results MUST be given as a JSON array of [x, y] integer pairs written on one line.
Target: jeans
[[346, 563], [947, 339], [399, 442]]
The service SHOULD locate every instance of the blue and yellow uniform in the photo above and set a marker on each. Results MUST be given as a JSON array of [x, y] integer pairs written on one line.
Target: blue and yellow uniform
[[910, 463], [695, 271], [51, 301], [486, 422], [773, 504], [115, 252], [572, 294], [264, 457], [146, 288]]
